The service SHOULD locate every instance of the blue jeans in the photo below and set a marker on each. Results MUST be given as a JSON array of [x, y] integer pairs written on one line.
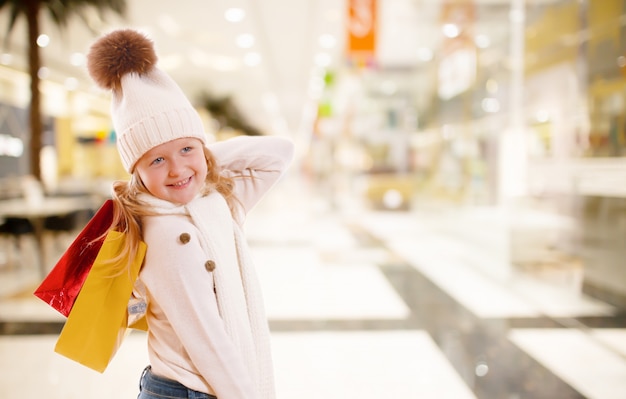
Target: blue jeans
[[155, 387]]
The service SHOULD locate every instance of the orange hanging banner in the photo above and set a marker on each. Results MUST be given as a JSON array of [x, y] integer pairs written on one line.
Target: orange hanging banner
[[361, 26]]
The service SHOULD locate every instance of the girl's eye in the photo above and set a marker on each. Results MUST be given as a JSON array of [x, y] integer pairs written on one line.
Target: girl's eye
[[187, 149], [157, 161]]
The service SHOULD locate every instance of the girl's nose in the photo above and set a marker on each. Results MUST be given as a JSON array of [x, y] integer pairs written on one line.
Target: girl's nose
[[175, 168]]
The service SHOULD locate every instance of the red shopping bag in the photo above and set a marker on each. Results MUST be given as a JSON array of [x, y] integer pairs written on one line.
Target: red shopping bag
[[61, 286]]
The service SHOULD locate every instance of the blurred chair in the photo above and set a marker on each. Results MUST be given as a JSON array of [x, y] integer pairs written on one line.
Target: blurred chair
[[13, 231], [65, 227]]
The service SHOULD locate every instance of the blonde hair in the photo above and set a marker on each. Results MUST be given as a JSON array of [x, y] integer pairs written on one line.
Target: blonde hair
[[128, 209]]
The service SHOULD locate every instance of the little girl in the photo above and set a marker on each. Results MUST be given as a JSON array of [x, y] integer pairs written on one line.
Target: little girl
[[207, 332]]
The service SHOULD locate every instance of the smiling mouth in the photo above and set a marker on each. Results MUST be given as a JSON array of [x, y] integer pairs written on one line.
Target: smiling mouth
[[181, 183]]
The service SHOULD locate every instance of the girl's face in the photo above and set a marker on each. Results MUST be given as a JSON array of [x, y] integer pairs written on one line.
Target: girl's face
[[174, 171]]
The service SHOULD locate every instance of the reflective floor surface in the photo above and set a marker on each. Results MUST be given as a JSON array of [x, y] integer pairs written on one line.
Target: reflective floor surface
[[368, 304]]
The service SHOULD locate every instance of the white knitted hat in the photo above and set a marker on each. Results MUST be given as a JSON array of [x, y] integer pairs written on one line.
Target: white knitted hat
[[148, 107]]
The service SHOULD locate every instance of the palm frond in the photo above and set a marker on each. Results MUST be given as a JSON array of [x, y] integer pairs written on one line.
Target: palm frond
[[16, 9]]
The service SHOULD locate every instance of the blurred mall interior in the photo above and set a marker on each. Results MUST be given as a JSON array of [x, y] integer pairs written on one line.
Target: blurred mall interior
[[453, 224]]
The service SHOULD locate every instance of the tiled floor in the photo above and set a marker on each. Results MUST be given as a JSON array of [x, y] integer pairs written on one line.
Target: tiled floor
[[366, 304]]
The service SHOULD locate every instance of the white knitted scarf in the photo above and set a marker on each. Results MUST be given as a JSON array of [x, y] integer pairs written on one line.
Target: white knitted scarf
[[238, 291]]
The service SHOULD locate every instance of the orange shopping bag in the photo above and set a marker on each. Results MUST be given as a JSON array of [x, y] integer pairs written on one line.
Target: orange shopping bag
[[98, 321]]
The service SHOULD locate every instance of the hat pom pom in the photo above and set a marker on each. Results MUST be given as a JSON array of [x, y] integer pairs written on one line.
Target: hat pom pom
[[118, 53]]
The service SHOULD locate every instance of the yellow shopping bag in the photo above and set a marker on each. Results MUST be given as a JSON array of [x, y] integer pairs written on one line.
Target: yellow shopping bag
[[97, 323]]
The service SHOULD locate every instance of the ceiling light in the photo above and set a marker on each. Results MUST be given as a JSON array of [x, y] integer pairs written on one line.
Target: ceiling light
[[327, 41], [392, 199], [252, 59], [78, 59], [450, 30], [234, 14], [245, 40], [43, 40], [482, 41], [490, 105], [43, 73]]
